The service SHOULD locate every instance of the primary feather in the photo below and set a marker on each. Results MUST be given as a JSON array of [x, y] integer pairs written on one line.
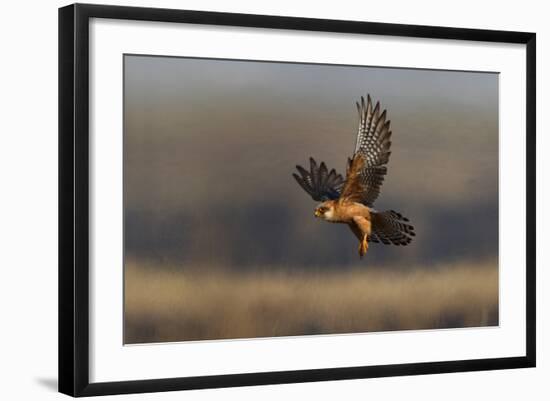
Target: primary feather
[[366, 170], [318, 182]]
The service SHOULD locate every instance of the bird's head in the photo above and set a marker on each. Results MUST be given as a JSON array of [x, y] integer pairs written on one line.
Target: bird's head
[[325, 210]]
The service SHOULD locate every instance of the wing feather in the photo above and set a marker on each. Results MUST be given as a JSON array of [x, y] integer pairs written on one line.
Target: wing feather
[[318, 182], [372, 151]]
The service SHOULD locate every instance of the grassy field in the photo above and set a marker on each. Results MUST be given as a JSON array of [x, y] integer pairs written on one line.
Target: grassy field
[[169, 305]]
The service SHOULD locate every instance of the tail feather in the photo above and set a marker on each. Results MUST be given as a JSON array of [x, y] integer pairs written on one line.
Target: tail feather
[[391, 227]]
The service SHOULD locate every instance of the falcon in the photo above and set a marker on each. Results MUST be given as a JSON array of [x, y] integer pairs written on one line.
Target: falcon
[[350, 201]]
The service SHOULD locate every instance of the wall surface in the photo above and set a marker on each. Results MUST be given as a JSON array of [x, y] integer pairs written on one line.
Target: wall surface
[[28, 173]]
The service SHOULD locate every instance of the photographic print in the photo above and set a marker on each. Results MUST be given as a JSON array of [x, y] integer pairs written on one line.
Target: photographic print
[[234, 168]]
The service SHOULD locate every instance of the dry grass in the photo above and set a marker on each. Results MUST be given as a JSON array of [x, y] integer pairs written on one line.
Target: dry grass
[[168, 305]]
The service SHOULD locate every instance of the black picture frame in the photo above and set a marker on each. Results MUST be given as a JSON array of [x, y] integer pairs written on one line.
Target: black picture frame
[[74, 192]]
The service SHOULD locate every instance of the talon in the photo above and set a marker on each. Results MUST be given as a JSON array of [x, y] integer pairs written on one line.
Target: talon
[[363, 247]]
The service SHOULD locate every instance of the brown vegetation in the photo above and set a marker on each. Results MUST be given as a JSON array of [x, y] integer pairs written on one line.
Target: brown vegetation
[[170, 305]]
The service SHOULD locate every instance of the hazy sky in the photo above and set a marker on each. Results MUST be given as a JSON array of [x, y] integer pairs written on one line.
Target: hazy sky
[[210, 146]]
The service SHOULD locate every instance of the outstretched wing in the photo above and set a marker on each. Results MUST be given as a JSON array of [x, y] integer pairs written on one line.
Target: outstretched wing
[[366, 170], [318, 182], [390, 227]]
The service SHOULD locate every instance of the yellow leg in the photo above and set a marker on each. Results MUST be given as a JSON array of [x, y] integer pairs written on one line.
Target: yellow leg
[[363, 247], [362, 229]]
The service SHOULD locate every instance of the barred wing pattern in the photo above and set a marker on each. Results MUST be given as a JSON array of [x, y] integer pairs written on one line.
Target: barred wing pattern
[[390, 227], [373, 145], [318, 182]]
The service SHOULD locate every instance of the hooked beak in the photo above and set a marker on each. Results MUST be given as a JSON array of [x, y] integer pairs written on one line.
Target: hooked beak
[[317, 213]]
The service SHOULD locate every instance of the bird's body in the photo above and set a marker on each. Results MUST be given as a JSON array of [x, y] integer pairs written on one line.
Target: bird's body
[[350, 201], [356, 215], [342, 211]]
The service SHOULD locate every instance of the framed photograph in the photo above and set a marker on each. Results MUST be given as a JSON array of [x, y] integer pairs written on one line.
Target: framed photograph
[[250, 199]]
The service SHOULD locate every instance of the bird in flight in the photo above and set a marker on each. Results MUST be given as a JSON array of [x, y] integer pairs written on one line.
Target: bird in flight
[[350, 201]]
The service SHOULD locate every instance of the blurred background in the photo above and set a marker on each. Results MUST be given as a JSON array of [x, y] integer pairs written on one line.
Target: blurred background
[[211, 209]]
